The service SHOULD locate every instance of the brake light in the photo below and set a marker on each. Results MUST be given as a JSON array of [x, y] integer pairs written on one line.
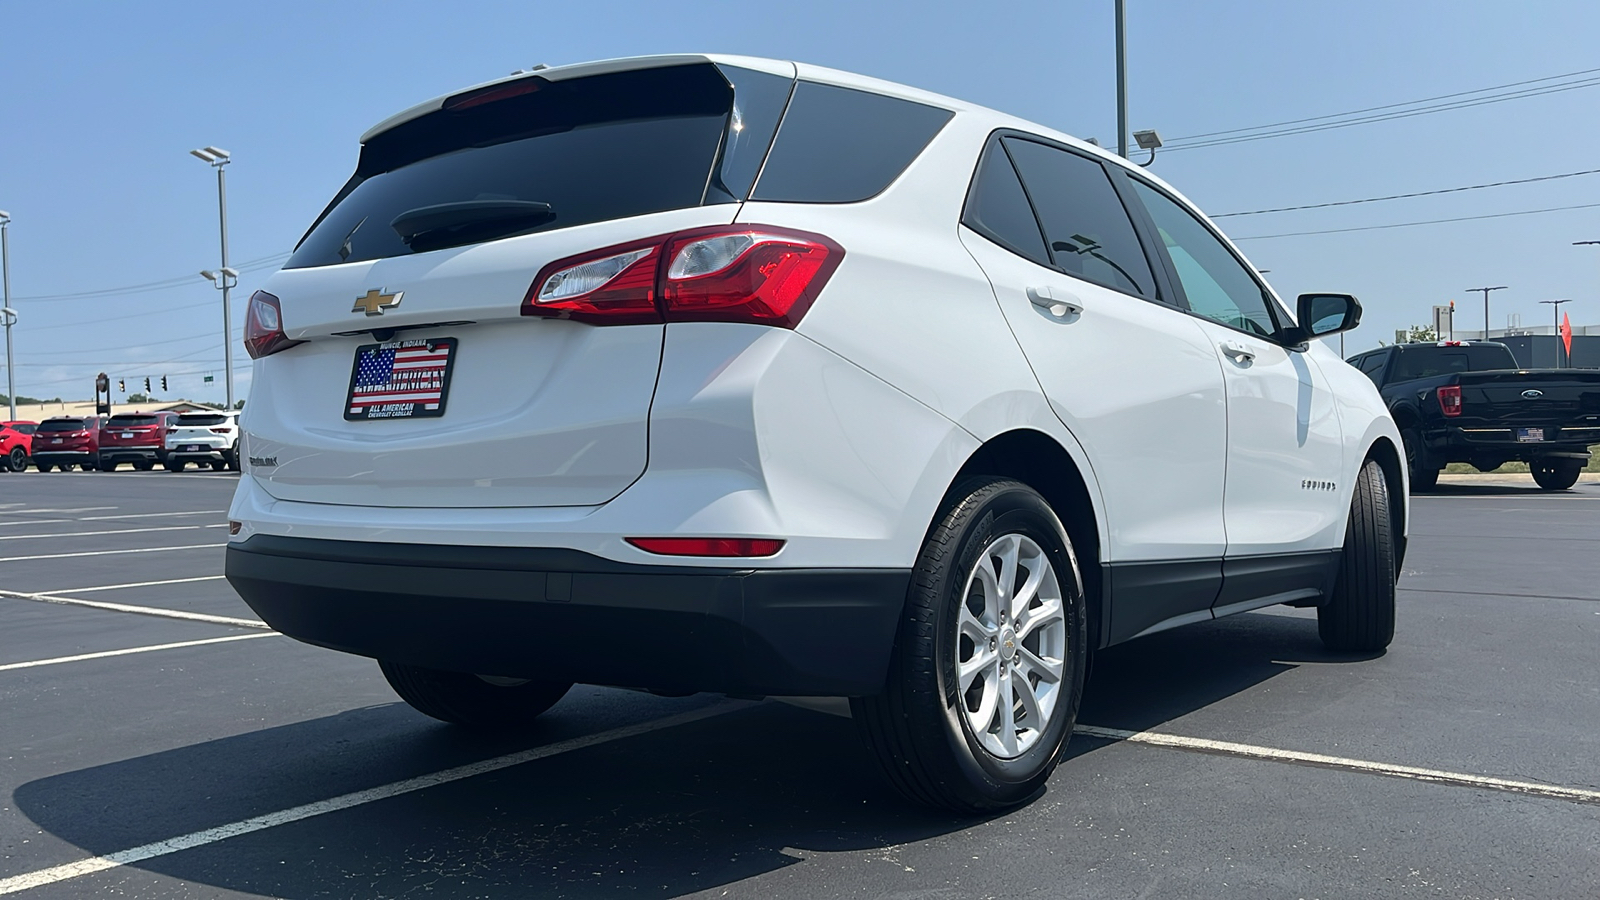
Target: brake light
[[1450, 400], [263, 326], [752, 274], [219, 431], [722, 547]]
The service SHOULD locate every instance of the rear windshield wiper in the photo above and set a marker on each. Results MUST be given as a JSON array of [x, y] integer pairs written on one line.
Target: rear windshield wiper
[[467, 221]]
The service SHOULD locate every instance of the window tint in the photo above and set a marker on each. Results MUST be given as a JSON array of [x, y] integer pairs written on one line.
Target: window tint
[[1372, 365], [998, 209], [596, 148], [126, 421], [62, 425], [1426, 362], [201, 419], [26, 429], [838, 145], [1216, 284], [758, 101], [1088, 229]]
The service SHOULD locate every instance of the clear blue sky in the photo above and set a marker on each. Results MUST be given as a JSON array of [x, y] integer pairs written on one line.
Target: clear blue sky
[[100, 102]]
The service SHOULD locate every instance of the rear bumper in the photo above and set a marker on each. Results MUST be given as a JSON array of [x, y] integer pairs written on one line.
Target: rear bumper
[[55, 457], [570, 616], [132, 454]]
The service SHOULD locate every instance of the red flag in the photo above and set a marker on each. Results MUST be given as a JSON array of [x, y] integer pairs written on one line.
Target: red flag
[[1566, 334]]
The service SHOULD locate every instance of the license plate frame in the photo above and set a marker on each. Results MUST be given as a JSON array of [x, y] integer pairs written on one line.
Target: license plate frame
[[1530, 435], [190, 448], [424, 366]]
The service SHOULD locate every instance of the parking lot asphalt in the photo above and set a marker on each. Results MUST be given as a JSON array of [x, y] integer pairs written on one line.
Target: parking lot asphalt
[[162, 743]]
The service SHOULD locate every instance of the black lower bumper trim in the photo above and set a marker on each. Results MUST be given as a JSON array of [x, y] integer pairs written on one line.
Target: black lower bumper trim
[[571, 616]]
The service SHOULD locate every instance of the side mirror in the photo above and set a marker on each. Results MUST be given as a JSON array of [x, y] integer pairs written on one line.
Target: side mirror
[[1325, 314]]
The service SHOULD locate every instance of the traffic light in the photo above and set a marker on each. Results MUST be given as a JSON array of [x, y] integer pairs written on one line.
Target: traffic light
[[147, 384], [122, 385], [163, 382]]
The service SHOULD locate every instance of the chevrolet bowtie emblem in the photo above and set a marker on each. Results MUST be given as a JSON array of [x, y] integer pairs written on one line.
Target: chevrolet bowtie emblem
[[374, 302]]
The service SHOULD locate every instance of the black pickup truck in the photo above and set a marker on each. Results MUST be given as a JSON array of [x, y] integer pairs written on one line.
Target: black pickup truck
[[1466, 401]]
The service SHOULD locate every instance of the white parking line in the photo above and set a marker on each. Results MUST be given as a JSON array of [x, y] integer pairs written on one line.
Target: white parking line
[[33, 522], [77, 534], [131, 650], [165, 515], [141, 610], [139, 584], [1366, 767], [69, 871], [110, 552], [9, 509]]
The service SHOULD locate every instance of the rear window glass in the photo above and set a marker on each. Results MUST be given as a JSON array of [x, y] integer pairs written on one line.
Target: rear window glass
[[998, 209], [62, 425], [202, 419], [838, 145], [594, 149], [1426, 362], [129, 421]]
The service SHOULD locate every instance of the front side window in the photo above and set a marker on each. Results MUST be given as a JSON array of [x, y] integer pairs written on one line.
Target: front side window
[[1087, 230], [1214, 281]]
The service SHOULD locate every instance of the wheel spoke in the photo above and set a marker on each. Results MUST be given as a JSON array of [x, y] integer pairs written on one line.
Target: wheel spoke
[[975, 628], [1032, 716], [1037, 567], [1046, 614], [1048, 670], [1007, 548], [983, 658], [1008, 716], [982, 717]]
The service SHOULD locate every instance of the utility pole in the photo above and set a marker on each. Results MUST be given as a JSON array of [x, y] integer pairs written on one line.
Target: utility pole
[[8, 314], [218, 158], [1555, 308], [1486, 291], [1122, 82]]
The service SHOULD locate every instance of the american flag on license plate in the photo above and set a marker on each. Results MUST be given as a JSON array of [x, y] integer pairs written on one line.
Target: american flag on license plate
[[401, 379]]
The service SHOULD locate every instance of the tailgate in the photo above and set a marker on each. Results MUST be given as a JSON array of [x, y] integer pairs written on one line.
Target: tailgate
[[1568, 399]]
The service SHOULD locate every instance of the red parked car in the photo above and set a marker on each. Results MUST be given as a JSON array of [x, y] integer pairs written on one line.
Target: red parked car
[[67, 441], [16, 445], [138, 438]]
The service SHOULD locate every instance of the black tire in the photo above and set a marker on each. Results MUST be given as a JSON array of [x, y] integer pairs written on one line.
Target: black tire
[[1424, 475], [1360, 614], [175, 465], [469, 700], [1555, 474], [43, 467], [917, 728], [103, 466], [218, 465], [232, 458], [143, 466], [17, 461]]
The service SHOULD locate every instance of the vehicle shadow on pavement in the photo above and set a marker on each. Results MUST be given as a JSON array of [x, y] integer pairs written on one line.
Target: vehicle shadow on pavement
[[670, 812]]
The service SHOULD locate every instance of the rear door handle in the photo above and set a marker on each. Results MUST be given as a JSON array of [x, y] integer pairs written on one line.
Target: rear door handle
[[1237, 352], [1057, 303]]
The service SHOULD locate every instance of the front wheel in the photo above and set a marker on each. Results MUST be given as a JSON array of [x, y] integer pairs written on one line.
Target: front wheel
[[988, 668], [1360, 614], [17, 460], [480, 702], [1555, 474]]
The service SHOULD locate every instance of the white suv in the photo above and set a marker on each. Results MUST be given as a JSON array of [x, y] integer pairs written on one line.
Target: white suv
[[705, 373], [205, 439]]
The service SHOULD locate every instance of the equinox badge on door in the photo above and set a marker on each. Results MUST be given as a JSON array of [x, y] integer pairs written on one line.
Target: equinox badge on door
[[375, 301]]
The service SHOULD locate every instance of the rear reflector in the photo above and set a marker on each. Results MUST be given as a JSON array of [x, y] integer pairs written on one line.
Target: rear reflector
[[1450, 400], [727, 273], [722, 547]]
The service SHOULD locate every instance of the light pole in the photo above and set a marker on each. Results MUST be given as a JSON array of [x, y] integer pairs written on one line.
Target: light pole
[[1122, 83], [1486, 291], [218, 158], [1555, 308], [6, 312]]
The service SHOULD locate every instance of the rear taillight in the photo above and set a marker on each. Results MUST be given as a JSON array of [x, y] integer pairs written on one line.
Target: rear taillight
[[263, 326], [219, 431], [1450, 400], [722, 547], [753, 274]]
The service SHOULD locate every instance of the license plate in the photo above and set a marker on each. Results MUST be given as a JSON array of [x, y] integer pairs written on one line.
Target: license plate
[[1530, 435], [55, 440], [405, 379], [191, 448], [126, 435]]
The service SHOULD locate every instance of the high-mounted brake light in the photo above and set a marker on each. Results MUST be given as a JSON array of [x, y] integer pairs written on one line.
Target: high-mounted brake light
[[726, 273], [721, 547], [491, 94], [1450, 400], [263, 326]]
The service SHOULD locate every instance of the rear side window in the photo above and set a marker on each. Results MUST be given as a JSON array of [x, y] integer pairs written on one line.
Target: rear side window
[[130, 421], [58, 425], [838, 145], [535, 155], [998, 209], [26, 429], [201, 419], [1089, 233]]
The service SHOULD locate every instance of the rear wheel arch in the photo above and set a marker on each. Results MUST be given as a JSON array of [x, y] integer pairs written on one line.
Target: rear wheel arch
[[1039, 461]]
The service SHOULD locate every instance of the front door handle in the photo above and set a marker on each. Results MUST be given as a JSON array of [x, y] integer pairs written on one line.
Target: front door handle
[[1057, 302], [1237, 352]]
